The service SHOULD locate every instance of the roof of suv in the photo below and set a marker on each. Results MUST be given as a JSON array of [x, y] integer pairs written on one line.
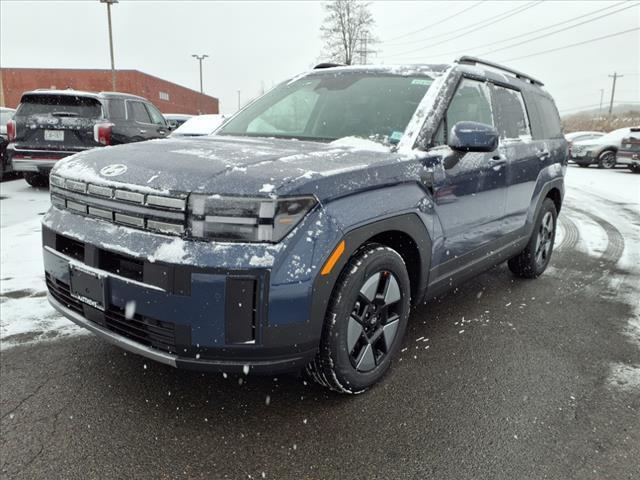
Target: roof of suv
[[470, 65], [82, 93]]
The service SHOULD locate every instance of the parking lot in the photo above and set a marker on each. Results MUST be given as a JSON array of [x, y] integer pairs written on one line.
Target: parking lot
[[502, 378]]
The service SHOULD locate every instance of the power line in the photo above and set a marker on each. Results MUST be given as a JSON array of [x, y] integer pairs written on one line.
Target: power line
[[487, 21], [572, 45], [560, 30], [530, 32], [439, 22], [479, 26]]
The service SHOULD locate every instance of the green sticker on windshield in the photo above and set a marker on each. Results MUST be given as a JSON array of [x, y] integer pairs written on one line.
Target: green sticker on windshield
[[395, 136], [421, 81]]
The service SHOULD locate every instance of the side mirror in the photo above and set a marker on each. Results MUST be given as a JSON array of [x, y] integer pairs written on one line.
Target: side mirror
[[473, 137]]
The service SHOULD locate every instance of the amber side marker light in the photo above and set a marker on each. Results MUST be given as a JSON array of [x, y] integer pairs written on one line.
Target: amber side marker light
[[333, 259]]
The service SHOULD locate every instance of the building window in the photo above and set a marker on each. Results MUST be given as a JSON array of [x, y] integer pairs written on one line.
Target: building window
[[164, 96]]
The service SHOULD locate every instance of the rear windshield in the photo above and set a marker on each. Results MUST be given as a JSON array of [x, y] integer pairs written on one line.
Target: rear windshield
[[329, 106], [60, 106]]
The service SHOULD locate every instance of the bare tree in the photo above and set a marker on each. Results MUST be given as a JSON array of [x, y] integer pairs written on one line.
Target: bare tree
[[347, 31]]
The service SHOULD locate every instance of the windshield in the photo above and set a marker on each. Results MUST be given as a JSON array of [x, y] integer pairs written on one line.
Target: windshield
[[59, 105], [329, 106]]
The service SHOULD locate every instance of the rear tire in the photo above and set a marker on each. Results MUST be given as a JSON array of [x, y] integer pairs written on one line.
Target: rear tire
[[37, 180], [365, 322], [534, 259], [607, 159]]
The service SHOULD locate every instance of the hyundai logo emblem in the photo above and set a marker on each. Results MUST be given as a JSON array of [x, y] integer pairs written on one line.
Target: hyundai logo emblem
[[113, 170]]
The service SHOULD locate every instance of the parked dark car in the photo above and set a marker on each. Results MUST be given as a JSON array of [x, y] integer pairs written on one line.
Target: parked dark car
[[52, 124], [629, 151], [5, 115], [299, 235]]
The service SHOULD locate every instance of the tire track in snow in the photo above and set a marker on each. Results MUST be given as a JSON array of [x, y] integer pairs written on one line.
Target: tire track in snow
[[615, 240], [571, 233]]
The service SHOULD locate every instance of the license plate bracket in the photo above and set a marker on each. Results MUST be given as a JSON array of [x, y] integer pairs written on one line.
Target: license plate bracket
[[87, 286], [54, 135]]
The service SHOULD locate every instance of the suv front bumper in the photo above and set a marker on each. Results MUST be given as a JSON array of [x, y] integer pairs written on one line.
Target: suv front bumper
[[213, 307]]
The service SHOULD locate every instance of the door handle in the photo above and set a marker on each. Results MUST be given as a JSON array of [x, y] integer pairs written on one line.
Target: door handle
[[543, 154], [497, 162], [143, 131]]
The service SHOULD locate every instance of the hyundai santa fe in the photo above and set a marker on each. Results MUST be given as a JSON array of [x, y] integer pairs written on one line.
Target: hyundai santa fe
[[298, 236]]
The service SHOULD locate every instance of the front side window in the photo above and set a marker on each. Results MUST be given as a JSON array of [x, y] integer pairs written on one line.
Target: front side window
[[156, 116], [137, 111], [510, 112], [470, 103], [327, 106]]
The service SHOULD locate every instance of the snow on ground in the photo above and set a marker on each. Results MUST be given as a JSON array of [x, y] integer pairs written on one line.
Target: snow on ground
[[25, 314], [591, 193]]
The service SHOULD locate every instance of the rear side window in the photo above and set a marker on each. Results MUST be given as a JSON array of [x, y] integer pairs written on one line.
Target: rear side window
[[138, 112], [511, 116], [60, 106], [117, 110], [551, 126]]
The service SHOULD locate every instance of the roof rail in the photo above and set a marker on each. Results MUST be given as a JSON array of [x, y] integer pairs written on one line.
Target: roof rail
[[328, 65], [467, 60]]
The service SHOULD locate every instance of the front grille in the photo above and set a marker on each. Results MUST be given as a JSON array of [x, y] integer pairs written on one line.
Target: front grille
[[146, 211], [144, 330], [62, 293]]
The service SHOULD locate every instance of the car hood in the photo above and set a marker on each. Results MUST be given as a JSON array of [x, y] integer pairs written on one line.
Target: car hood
[[235, 166]]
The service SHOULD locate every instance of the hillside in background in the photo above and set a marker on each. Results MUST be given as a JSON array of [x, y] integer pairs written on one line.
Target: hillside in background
[[623, 115]]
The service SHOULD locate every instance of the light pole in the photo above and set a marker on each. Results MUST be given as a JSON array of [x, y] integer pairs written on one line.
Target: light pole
[[113, 68], [200, 58]]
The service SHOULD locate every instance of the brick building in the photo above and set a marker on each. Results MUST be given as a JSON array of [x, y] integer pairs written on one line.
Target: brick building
[[168, 97]]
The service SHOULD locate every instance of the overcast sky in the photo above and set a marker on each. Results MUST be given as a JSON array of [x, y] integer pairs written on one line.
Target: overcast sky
[[256, 44]]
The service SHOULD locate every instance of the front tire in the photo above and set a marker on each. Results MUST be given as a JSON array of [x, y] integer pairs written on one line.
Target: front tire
[[534, 259], [37, 180], [607, 159], [365, 322]]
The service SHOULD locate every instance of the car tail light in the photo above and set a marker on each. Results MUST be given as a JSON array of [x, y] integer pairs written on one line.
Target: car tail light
[[11, 130], [102, 133]]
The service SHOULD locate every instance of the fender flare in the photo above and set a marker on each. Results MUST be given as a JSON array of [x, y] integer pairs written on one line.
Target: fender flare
[[409, 224]]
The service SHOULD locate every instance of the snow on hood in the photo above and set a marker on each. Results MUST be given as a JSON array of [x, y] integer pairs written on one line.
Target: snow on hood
[[234, 165]]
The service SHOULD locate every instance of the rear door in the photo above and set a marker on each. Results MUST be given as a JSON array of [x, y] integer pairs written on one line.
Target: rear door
[[48, 121], [531, 138]]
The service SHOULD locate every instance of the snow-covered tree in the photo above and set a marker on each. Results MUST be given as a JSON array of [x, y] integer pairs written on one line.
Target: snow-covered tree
[[347, 31]]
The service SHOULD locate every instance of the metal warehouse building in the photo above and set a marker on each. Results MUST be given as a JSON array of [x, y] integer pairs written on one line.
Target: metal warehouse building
[[167, 96]]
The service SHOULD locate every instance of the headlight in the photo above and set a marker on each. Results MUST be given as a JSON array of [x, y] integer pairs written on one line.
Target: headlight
[[214, 217]]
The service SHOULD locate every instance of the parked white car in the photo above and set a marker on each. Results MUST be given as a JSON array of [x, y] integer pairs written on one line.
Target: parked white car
[[199, 126], [599, 151]]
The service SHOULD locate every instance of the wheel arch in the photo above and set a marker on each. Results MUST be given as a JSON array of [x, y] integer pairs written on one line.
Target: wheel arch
[[405, 233]]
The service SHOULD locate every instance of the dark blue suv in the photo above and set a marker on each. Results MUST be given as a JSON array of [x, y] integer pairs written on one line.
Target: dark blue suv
[[299, 234]]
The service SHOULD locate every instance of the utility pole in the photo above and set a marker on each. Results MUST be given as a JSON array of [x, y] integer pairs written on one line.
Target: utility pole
[[200, 58], [615, 77], [113, 68]]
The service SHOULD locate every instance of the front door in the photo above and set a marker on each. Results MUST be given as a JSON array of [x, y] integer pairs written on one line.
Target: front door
[[470, 189]]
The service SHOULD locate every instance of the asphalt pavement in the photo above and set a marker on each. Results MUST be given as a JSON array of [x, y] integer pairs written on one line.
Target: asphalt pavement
[[500, 379]]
